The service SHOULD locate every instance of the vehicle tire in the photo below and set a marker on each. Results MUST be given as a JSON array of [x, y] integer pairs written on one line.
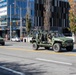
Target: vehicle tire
[[69, 48], [57, 47], [35, 46], [3, 44], [47, 48]]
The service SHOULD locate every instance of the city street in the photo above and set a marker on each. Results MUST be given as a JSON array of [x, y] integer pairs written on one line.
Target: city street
[[18, 58]]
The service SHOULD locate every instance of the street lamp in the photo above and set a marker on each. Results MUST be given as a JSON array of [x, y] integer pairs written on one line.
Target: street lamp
[[20, 19], [20, 23], [10, 22]]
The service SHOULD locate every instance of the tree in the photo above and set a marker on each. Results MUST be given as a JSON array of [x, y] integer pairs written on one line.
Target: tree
[[72, 16], [47, 14], [28, 23]]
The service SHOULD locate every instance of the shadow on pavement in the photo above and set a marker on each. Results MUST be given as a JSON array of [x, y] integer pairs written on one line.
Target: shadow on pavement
[[26, 69], [74, 50], [8, 45], [62, 50]]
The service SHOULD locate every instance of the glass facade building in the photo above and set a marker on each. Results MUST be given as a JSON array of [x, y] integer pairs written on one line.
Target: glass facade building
[[58, 21], [17, 9], [59, 14]]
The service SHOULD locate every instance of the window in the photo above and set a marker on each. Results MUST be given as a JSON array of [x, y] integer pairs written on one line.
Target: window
[[55, 2]]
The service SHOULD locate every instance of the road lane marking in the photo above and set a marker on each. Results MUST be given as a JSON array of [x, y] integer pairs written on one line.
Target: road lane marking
[[13, 71], [53, 61], [47, 52], [70, 54]]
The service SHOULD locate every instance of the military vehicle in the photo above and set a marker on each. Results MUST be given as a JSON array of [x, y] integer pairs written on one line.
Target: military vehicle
[[52, 39], [2, 42]]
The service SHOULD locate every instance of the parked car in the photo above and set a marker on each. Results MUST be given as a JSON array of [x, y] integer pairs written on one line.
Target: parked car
[[15, 39], [2, 42]]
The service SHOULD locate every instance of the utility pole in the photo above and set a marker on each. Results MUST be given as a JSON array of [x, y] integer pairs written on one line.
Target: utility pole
[[10, 23], [20, 23], [20, 15]]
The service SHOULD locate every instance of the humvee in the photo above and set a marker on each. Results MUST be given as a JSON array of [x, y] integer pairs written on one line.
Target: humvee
[[52, 39]]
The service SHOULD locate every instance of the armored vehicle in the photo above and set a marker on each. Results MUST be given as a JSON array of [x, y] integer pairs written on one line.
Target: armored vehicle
[[52, 39]]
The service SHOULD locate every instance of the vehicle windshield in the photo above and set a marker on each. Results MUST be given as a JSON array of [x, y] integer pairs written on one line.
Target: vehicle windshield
[[58, 35]]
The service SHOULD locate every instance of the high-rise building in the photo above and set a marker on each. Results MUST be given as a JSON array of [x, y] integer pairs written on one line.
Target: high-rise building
[[59, 14], [17, 8], [14, 10]]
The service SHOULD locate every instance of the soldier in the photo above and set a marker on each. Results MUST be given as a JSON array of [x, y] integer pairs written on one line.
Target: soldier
[[49, 38]]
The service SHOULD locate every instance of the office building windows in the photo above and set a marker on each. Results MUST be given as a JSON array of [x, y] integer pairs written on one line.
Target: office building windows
[[59, 13]]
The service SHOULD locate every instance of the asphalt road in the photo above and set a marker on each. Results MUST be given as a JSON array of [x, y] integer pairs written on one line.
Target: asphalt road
[[18, 58]]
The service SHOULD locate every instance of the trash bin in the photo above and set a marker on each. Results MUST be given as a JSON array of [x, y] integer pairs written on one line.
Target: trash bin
[[24, 40]]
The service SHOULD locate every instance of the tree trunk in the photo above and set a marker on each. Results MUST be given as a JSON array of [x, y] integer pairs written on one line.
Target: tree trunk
[[47, 14]]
